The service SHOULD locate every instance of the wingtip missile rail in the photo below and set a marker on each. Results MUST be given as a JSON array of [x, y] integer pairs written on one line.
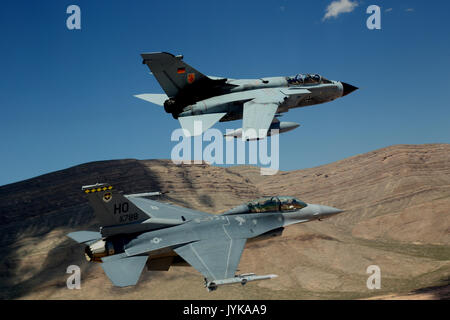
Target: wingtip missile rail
[[242, 279]]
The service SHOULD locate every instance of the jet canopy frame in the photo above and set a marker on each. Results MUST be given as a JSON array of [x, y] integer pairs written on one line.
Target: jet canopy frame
[[269, 204], [274, 204], [301, 79]]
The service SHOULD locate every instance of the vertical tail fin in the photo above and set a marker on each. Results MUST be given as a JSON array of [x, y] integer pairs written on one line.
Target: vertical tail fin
[[172, 73], [111, 207]]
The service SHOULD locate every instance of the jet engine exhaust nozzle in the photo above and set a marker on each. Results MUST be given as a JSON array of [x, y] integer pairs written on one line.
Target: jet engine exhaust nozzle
[[99, 249]]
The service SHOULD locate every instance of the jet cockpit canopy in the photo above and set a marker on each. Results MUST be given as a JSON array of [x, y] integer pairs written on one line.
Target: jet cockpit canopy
[[301, 78], [268, 204]]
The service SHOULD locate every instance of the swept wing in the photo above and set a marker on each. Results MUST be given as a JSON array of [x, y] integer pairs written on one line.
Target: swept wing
[[259, 113], [216, 259]]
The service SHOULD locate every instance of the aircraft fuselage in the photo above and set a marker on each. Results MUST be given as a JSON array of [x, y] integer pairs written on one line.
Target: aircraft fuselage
[[199, 101], [246, 90]]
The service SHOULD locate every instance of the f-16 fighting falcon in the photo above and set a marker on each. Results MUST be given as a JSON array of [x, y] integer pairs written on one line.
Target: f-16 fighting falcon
[[194, 98], [138, 232]]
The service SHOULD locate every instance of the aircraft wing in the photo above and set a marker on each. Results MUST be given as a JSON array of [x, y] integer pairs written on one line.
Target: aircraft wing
[[216, 259], [259, 113], [257, 119], [161, 210]]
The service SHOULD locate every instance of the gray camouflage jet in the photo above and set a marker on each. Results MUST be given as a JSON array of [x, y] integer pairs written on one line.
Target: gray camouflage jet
[[138, 232], [199, 101]]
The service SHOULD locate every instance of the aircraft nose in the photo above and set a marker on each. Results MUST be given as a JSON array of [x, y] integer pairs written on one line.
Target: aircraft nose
[[328, 211], [309, 213], [319, 211], [347, 88], [323, 212]]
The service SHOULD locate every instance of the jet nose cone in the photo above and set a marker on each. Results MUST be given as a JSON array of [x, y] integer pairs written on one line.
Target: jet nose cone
[[347, 88], [329, 211]]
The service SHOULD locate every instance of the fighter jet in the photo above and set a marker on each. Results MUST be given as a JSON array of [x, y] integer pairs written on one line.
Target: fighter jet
[[138, 232], [199, 101]]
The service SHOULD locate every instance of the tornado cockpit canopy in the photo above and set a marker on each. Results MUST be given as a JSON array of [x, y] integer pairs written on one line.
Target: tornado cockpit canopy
[[301, 78], [268, 204]]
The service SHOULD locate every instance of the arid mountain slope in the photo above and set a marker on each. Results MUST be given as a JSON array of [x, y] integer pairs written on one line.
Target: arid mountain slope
[[397, 203], [386, 193]]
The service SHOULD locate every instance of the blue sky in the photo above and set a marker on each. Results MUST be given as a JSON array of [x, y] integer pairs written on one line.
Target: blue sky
[[66, 96]]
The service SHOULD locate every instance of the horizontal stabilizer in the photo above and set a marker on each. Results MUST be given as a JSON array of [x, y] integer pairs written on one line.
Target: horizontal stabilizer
[[196, 125], [84, 236], [153, 98], [126, 271]]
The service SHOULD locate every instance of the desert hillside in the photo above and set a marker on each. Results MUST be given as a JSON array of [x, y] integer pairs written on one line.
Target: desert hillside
[[397, 216]]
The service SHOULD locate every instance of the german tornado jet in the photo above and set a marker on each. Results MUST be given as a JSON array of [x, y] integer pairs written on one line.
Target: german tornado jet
[[138, 232], [199, 101]]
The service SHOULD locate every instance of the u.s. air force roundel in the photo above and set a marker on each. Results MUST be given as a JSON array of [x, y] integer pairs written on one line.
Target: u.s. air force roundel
[[107, 196]]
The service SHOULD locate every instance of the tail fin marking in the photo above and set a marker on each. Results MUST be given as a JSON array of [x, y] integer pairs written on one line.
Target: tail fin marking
[[111, 207]]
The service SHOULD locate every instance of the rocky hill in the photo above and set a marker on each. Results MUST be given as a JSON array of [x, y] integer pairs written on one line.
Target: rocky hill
[[397, 203]]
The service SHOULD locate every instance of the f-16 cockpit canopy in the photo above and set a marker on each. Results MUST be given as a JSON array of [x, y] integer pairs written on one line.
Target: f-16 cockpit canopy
[[268, 204], [301, 78]]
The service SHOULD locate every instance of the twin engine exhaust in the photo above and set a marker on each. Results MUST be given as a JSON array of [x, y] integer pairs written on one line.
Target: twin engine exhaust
[[99, 249]]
